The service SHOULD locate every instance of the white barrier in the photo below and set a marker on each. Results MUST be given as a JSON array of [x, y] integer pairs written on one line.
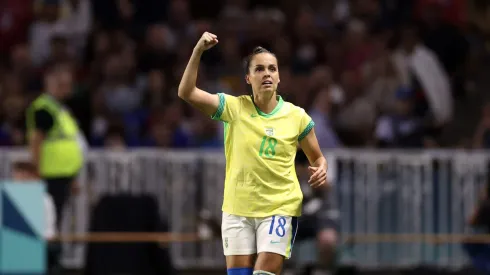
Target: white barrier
[[377, 192]]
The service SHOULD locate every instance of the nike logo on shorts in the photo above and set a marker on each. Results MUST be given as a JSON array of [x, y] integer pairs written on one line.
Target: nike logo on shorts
[[274, 242]]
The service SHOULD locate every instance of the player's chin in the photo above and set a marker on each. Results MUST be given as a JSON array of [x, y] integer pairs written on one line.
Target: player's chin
[[267, 89]]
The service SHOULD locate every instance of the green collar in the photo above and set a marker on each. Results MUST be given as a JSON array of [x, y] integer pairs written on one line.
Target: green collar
[[52, 99], [280, 102]]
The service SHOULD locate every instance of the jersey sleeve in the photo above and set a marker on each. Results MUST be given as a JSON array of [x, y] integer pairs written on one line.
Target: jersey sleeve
[[44, 120], [306, 124], [228, 108]]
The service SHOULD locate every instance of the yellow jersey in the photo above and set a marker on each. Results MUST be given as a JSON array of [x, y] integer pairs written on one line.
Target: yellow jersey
[[260, 150]]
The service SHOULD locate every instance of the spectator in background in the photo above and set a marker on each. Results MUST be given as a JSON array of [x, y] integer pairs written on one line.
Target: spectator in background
[[60, 27], [322, 78], [21, 65], [100, 121], [446, 40], [179, 18], [341, 11], [168, 128], [75, 23], [161, 136], [13, 104], [452, 12], [96, 53], [230, 68], [59, 50], [11, 85], [12, 130], [156, 93], [114, 139], [334, 55], [358, 48], [42, 30], [20, 59], [121, 95], [204, 133], [401, 129], [132, 59], [158, 49], [321, 114], [306, 41], [420, 70], [56, 145], [357, 114], [380, 77]]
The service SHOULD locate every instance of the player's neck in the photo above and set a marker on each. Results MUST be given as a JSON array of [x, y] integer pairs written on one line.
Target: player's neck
[[266, 102], [52, 92]]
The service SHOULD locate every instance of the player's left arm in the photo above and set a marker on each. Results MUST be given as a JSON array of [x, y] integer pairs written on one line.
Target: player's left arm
[[318, 164]]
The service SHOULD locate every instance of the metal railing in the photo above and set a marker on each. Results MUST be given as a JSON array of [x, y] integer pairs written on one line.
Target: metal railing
[[377, 192]]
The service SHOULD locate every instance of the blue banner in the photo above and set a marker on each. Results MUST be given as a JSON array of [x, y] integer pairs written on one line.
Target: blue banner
[[22, 244]]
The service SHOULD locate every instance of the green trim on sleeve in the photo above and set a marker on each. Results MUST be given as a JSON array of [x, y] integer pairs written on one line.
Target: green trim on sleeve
[[307, 130], [221, 107]]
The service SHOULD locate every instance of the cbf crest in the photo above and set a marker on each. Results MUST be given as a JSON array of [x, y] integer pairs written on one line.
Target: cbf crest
[[269, 131]]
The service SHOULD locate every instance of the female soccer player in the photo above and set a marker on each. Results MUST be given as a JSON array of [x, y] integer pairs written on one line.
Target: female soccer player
[[262, 197]]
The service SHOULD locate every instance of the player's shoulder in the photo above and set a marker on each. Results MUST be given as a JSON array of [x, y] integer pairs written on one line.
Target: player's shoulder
[[293, 109], [244, 101], [244, 98], [240, 98], [40, 101]]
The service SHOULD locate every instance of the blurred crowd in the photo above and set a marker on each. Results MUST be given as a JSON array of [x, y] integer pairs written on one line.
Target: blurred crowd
[[375, 73]]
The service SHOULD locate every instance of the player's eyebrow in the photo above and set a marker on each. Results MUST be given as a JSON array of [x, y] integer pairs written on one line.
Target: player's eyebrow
[[262, 65]]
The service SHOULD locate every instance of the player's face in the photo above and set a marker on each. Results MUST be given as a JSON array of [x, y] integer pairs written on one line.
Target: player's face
[[61, 81], [66, 83], [263, 73], [21, 175]]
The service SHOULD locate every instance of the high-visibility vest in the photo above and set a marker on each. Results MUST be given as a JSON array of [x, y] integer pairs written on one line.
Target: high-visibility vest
[[61, 153]]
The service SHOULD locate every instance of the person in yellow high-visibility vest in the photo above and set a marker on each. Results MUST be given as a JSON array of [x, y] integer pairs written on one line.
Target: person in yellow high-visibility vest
[[55, 141]]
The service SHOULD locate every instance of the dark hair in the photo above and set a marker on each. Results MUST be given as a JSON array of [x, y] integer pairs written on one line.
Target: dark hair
[[58, 66], [25, 166], [115, 129], [256, 51]]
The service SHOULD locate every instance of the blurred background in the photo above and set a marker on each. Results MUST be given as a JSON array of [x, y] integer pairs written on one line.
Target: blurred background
[[398, 90]]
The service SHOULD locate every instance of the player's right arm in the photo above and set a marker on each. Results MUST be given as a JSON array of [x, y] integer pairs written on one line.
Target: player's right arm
[[202, 100], [43, 123]]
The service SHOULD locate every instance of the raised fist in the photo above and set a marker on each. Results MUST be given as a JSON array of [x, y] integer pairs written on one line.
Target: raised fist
[[206, 42]]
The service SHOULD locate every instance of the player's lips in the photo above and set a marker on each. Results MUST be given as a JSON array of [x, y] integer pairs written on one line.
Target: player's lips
[[267, 82]]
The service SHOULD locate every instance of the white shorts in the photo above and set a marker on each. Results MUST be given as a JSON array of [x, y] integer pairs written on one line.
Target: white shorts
[[248, 236]]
